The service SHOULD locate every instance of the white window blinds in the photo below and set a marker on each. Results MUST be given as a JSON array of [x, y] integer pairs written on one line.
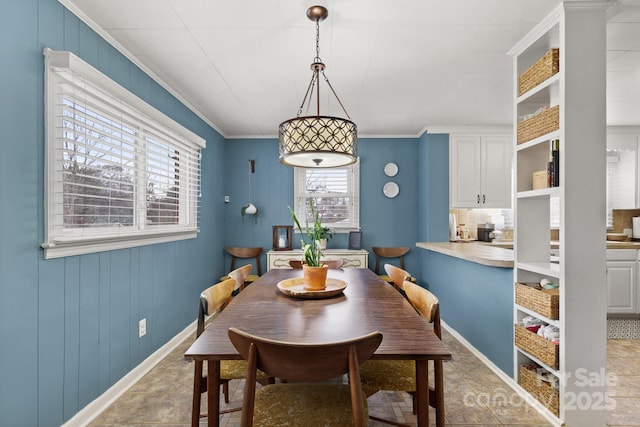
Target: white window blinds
[[335, 193], [117, 169]]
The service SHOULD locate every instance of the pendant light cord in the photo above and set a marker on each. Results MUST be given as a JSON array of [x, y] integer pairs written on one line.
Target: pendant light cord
[[316, 78]]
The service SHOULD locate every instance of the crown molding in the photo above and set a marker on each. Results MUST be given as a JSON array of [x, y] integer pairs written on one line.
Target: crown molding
[[470, 130]]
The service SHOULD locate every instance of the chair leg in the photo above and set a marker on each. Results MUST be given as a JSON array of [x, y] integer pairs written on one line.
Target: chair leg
[[439, 392], [197, 393], [225, 391]]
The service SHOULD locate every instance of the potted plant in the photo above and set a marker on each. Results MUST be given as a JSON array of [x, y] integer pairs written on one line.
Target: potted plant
[[324, 234], [249, 209], [315, 273]]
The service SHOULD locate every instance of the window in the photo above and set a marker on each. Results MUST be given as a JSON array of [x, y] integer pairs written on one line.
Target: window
[[335, 193], [118, 172], [621, 181]]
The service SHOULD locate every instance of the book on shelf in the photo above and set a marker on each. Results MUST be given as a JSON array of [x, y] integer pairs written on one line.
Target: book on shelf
[[553, 166]]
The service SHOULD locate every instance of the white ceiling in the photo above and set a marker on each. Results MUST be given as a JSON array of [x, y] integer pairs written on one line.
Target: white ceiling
[[399, 67]]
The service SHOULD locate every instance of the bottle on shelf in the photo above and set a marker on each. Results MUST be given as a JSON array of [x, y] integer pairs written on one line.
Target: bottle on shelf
[[555, 154], [550, 170], [553, 165]]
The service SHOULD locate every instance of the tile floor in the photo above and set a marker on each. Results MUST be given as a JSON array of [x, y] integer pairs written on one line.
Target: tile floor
[[474, 396]]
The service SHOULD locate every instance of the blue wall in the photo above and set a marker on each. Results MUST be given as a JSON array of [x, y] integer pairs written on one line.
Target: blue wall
[[68, 326], [433, 188], [384, 221], [476, 301]]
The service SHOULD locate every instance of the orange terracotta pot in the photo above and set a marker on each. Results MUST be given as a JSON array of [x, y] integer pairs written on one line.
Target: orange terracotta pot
[[315, 278]]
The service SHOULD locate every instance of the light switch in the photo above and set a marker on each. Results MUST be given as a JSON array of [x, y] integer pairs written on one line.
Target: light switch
[[226, 199]]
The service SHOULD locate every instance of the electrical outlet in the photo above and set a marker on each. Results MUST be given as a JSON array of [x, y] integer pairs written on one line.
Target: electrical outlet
[[226, 199], [142, 328]]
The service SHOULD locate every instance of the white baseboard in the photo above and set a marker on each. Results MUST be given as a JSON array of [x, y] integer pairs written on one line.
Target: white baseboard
[[102, 402], [531, 401]]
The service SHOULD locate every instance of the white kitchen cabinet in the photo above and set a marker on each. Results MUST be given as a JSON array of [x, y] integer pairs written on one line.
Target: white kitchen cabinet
[[622, 287], [623, 282], [480, 171]]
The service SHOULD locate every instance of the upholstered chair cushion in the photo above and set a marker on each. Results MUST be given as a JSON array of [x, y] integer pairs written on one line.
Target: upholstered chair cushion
[[394, 375], [237, 369], [303, 405]]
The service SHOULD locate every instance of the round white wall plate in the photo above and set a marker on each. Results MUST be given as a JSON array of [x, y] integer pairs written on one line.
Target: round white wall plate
[[391, 189], [390, 169]]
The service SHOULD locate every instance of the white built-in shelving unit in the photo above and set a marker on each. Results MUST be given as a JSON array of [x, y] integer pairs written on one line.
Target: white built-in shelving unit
[[578, 30]]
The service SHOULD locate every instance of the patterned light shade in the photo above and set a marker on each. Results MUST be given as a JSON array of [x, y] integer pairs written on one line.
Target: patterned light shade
[[318, 142]]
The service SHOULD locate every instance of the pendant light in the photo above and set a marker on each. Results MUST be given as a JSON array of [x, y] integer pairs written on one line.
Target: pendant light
[[318, 141]]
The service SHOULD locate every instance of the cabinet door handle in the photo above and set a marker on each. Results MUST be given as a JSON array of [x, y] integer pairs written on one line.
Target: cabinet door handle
[[478, 199], [483, 199]]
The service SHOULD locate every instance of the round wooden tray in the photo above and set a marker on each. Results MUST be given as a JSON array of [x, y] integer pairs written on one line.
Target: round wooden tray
[[296, 288]]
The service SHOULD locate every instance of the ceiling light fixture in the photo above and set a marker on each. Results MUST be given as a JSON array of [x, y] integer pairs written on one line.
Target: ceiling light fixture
[[318, 141]]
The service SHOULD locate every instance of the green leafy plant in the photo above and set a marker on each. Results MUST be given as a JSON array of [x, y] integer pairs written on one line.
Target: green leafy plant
[[311, 250], [243, 212], [325, 233]]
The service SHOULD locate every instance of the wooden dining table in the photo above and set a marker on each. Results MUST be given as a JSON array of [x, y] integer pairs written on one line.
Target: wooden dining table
[[367, 304]]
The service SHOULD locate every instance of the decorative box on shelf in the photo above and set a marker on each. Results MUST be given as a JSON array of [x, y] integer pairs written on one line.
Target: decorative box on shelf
[[540, 179], [543, 301], [537, 346], [543, 69], [546, 121]]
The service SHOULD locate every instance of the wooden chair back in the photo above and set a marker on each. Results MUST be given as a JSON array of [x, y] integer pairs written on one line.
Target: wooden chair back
[[398, 275], [296, 264], [240, 275], [245, 253], [214, 298], [425, 303], [304, 362], [334, 264], [389, 252]]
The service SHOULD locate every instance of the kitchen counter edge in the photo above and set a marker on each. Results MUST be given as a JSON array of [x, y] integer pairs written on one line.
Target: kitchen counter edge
[[472, 252]]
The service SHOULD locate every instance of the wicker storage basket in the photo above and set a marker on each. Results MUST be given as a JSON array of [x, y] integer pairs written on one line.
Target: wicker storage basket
[[540, 124], [541, 390], [544, 68], [543, 349], [545, 302]]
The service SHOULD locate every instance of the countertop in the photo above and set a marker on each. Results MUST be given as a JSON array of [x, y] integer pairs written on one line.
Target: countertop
[[623, 245], [478, 252], [554, 244], [496, 254]]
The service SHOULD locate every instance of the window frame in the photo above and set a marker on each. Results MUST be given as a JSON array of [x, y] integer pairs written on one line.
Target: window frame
[[61, 241], [353, 193]]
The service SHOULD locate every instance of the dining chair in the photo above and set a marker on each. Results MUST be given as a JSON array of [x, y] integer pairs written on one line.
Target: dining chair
[[397, 275], [389, 253], [215, 299], [306, 398], [245, 253], [334, 264], [400, 375], [240, 275]]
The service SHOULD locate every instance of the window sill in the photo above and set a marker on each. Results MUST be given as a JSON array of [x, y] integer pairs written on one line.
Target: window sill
[[59, 250]]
